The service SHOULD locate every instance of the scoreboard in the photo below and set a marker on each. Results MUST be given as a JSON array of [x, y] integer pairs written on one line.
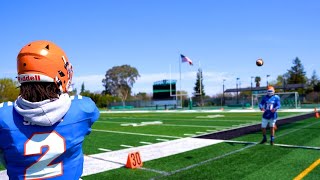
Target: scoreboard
[[164, 90]]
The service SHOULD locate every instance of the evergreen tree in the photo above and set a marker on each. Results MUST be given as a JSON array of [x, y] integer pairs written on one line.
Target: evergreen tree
[[199, 87], [313, 81], [297, 75], [82, 88]]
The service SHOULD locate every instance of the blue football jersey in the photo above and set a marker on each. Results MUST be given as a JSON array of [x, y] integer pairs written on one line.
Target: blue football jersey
[[269, 103], [46, 152]]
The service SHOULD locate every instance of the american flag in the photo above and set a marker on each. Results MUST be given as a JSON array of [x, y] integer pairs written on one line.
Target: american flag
[[186, 59]]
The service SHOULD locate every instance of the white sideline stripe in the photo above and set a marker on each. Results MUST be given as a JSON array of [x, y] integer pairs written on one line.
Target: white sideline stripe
[[128, 146], [145, 142], [106, 150], [162, 139], [115, 159], [189, 134], [140, 134], [3, 175]]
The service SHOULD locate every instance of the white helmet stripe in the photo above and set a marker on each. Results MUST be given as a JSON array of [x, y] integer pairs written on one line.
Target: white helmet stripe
[[34, 78]]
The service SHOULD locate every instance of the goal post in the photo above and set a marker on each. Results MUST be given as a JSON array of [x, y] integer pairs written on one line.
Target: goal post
[[287, 99]]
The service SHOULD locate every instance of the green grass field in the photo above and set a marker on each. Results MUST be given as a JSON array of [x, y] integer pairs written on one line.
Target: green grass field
[[221, 161], [226, 160], [109, 131]]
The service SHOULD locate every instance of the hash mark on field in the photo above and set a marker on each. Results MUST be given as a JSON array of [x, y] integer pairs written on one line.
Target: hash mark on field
[[189, 134], [210, 130], [128, 146], [106, 150], [145, 142], [162, 140]]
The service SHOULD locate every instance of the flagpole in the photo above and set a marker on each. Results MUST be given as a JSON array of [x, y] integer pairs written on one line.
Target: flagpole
[[200, 83], [200, 78], [175, 96], [180, 81]]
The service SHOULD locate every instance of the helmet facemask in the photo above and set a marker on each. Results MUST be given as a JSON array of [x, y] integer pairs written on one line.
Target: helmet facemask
[[270, 91]]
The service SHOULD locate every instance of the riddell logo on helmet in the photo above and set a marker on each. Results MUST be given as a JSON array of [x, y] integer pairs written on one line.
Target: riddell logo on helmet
[[27, 78]]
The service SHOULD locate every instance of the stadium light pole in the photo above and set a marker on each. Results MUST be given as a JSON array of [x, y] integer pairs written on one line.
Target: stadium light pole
[[251, 92], [267, 80], [223, 91], [237, 91], [251, 83]]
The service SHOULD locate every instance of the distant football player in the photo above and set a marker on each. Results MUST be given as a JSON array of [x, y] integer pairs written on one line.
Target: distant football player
[[269, 104], [43, 130]]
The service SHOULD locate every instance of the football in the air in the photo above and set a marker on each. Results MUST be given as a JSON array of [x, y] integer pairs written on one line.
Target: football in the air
[[259, 62]]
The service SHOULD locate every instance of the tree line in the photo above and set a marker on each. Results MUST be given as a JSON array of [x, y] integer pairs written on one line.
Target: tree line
[[119, 80]]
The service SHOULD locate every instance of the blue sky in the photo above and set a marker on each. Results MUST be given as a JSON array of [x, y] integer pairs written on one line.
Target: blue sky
[[224, 37]]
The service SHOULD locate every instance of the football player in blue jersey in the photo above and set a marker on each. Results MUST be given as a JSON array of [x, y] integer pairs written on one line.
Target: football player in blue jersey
[[269, 104], [43, 130]]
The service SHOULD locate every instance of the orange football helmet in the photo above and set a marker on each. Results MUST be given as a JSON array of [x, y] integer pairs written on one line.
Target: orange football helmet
[[270, 90], [43, 61]]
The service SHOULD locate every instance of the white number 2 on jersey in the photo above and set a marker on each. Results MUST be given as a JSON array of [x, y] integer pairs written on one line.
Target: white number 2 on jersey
[[43, 167]]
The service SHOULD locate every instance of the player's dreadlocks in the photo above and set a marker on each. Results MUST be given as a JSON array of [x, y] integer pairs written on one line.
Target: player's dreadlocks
[[39, 91]]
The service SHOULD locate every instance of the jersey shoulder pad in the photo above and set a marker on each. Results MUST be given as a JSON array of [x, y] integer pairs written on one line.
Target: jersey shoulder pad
[[5, 112], [84, 103]]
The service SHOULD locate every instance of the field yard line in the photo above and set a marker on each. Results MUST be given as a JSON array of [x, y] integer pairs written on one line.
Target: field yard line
[[204, 162], [111, 160], [308, 170], [97, 163], [280, 145], [154, 170], [175, 125], [232, 152], [139, 134], [297, 129], [197, 120], [183, 125], [297, 146]]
